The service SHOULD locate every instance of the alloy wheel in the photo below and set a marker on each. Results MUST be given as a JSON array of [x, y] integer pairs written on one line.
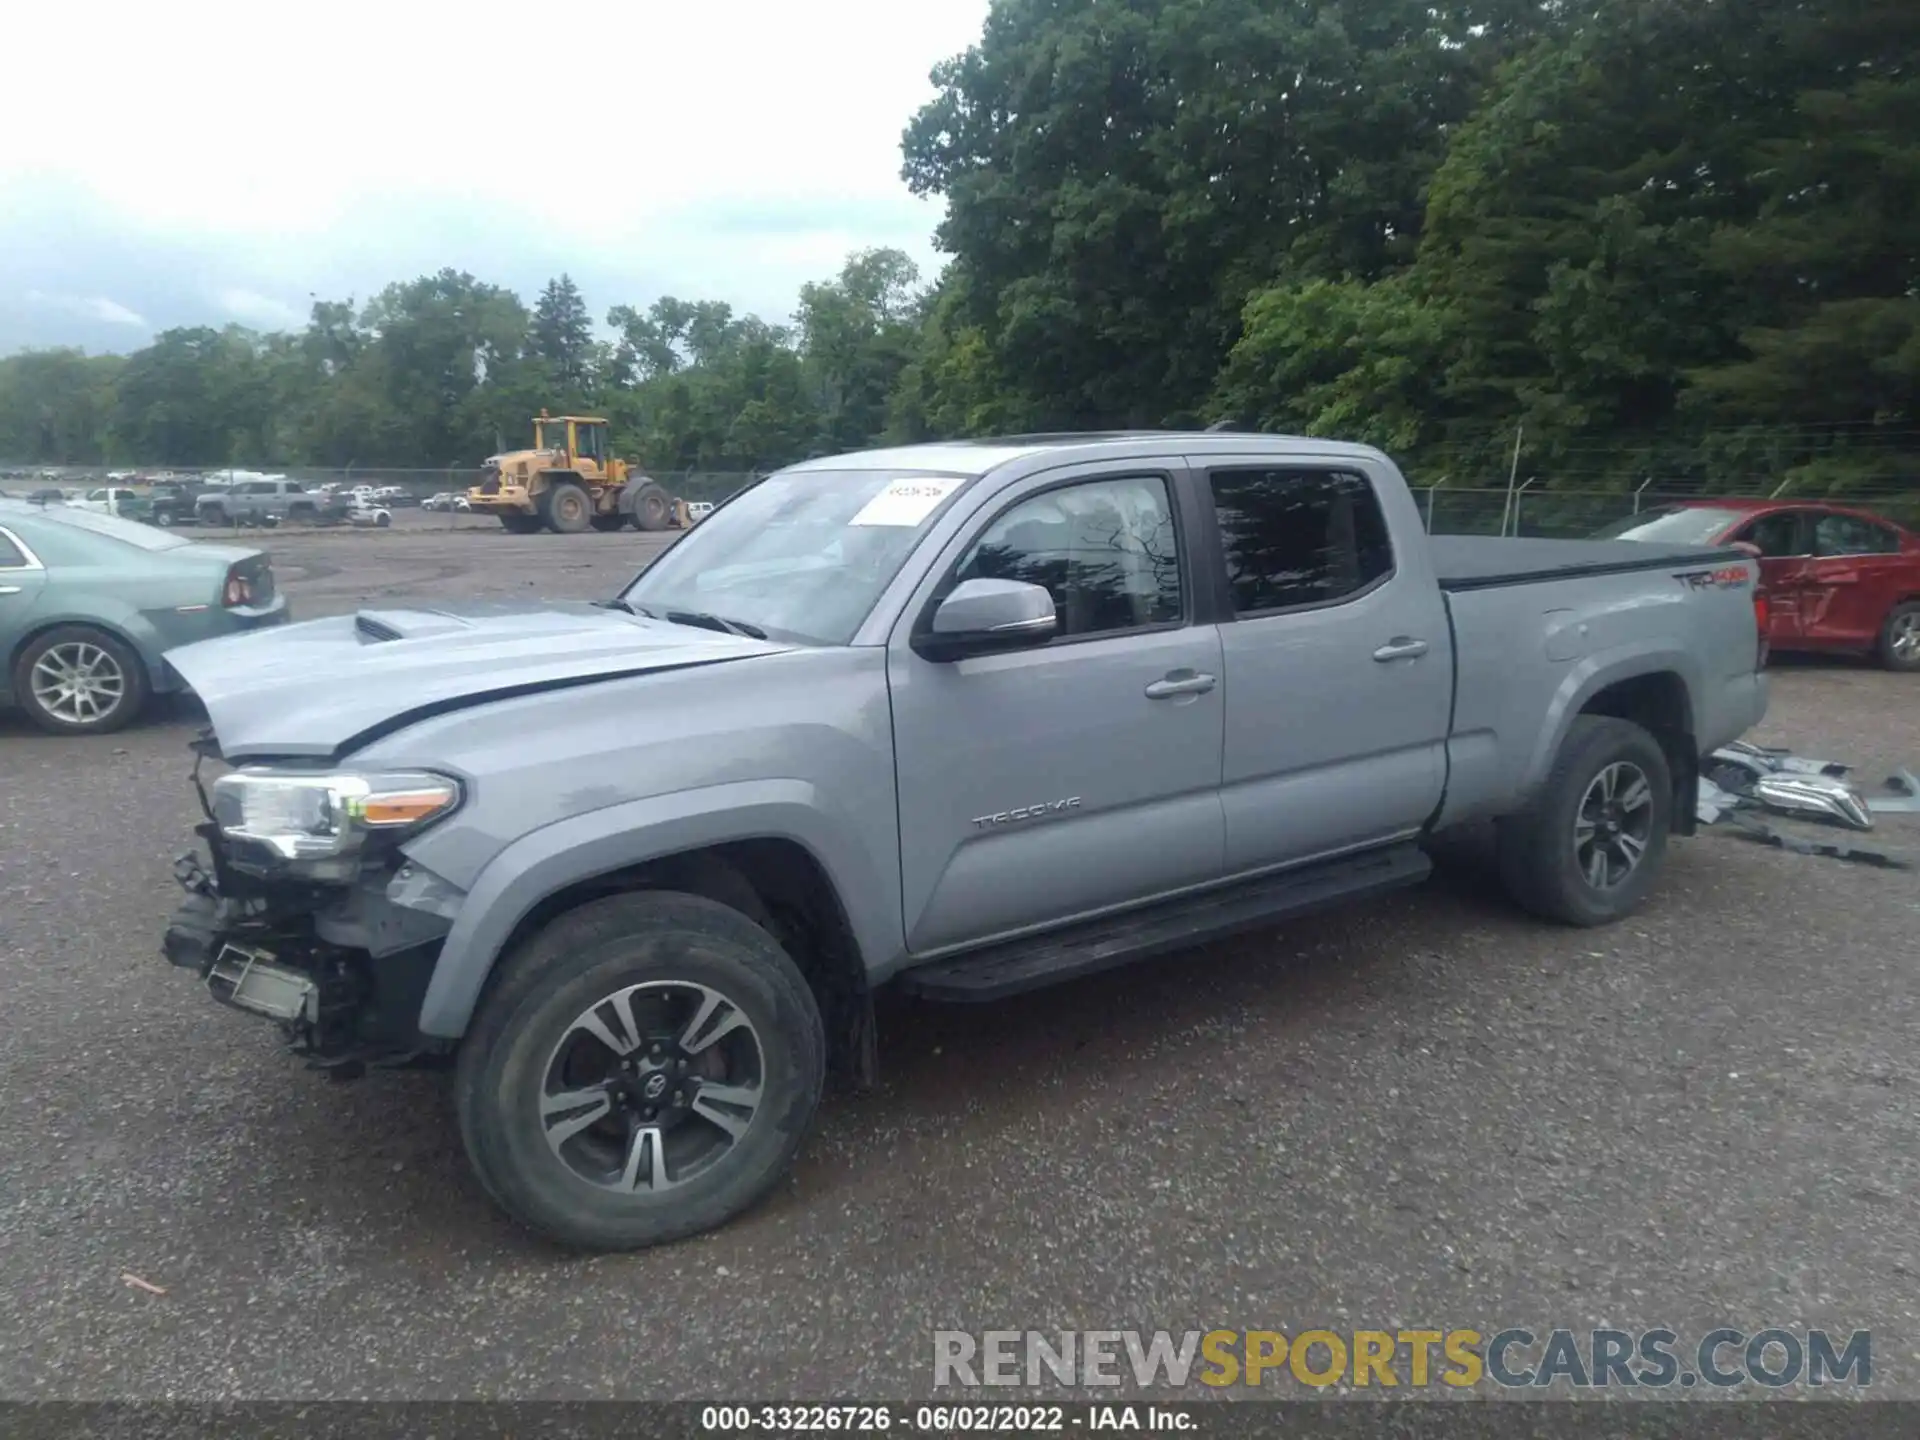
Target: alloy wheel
[[78, 682], [652, 1086], [1613, 825]]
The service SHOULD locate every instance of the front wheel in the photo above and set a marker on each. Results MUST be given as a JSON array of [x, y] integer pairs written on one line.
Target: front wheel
[[645, 1070], [163, 518], [1586, 849], [566, 508], [1900, 637]]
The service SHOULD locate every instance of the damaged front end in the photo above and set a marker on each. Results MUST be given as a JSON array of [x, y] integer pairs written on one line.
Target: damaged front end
[[304, 910]]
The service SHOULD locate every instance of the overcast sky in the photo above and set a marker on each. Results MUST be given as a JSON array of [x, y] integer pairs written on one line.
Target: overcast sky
[[198, 163]]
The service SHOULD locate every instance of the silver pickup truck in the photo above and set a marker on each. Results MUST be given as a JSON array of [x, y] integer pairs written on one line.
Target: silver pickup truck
[[964, 719]]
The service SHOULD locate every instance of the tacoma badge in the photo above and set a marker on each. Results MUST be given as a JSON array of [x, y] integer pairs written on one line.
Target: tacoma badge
[[1026, 812]]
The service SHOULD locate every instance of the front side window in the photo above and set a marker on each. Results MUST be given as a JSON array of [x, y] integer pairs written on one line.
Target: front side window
[[1299, 537], [1105, 549], [1775, 536], [1850, 535]]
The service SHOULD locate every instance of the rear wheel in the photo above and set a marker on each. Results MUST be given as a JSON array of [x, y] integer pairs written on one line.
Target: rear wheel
[[1586, 850], [76, 680], [566, 508], [1900, 637], [651, 508], [646, 1069], [519, 524]]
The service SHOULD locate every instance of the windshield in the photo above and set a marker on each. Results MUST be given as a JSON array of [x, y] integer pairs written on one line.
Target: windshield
[[802, 555], [550, 435], [1675, 525]]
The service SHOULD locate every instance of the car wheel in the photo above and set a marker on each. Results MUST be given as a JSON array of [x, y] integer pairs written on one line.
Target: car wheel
[[1586, 849], [383, 520], [163, 518], [214, 515], [645, 1069], [1900, 637], [76, 680]]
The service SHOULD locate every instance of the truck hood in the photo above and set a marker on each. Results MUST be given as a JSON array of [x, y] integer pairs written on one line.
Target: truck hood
[[324, 687]]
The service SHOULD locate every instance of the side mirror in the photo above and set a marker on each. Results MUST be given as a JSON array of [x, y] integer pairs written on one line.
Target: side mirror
[[981, 617]]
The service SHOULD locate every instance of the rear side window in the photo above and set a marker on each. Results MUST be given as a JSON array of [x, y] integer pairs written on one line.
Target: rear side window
[[1850, 535], [10, 556], [1299, 537]]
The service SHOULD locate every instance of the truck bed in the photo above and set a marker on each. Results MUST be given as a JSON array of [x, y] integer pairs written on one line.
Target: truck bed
[[1483, 562]]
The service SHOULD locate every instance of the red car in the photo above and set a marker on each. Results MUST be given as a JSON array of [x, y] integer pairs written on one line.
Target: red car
[[1837, 578]]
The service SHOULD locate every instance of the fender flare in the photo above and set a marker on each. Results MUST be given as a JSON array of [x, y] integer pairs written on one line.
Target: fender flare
[[1587, 679], [622, 836]]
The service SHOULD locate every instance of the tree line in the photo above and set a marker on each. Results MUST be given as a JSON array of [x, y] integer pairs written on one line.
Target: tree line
[[1668, 238]]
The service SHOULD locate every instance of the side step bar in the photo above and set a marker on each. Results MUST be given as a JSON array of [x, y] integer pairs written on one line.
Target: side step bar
[[1085, 949]]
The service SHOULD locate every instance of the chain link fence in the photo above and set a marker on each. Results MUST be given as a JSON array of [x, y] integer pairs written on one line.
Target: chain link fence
[[1531, 506]]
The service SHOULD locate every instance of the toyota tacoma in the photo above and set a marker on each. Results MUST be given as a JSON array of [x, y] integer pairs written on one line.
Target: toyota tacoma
[[963, 719]]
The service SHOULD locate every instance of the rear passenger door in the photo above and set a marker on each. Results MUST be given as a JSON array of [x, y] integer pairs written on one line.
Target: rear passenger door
[[1338, 657]]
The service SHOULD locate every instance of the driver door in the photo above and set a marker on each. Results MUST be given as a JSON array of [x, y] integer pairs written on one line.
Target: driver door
[[1041, 785]]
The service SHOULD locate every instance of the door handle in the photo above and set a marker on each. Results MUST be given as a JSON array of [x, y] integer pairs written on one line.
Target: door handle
[[9, 589], [1181, 683], [1400, 648]]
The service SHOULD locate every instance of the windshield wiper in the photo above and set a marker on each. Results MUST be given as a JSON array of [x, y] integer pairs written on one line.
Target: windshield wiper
[[686, 617], [620, 602], [715, 622]]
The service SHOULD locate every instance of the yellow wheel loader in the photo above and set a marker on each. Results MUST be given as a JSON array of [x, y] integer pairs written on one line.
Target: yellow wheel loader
[[568, 483]]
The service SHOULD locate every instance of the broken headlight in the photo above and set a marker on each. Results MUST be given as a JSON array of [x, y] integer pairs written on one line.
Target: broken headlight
[[319, 823]]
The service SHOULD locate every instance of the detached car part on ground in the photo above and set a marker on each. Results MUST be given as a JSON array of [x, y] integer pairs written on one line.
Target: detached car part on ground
[[91, 604], [963, 719], [1741, 779]]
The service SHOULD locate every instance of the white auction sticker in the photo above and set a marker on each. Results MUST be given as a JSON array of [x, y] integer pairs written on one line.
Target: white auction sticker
[[906, 502]]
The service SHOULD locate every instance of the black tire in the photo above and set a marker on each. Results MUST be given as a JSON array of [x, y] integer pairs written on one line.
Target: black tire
[[301, 514], [1543, 862], [76, 641], [163, 518], [566, 508], [607, 523], [518, 524], [579, 961], [1899, 647], [383, 520], [652, 510], [213, 515]]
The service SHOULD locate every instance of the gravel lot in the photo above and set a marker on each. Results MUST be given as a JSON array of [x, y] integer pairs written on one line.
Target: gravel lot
[[1431, 1112]]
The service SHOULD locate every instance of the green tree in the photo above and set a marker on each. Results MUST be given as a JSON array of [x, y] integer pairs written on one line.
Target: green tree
[[562, 336]]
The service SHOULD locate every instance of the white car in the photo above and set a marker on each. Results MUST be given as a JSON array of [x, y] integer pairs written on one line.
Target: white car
[[698, 510], [367, 515]]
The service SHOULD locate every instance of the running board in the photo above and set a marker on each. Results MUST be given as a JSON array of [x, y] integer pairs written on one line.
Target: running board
[[1114, 940]]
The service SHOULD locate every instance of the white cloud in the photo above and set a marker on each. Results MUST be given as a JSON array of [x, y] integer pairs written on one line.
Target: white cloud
[[91, 307], [710, 146], [263, 312]]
